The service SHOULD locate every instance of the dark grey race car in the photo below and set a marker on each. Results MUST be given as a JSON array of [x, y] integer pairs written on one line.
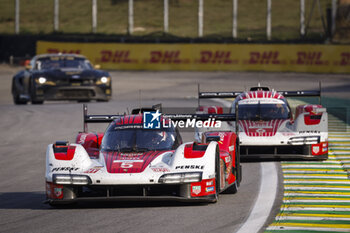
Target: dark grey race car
[[60, 77]]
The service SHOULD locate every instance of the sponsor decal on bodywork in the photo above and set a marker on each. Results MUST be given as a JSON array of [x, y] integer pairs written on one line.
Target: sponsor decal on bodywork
[[82, 139], [310, 132], [196, 189], [54, 191], [190, 167], [258, 129], [58, 192], [94, 169], [160, 169], [203, 188], [59, 169], [117, 162]]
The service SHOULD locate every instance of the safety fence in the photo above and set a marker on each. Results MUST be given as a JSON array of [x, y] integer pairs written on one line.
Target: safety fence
[[249, 20]]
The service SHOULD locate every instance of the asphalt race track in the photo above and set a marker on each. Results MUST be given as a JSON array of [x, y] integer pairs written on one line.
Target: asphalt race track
[[27, 130]]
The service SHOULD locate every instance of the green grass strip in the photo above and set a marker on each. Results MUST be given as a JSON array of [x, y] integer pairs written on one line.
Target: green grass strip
[[313, 178], [315, 174], [313, 168], [317, 203], [314, 221], [297, 231], [316, 197], [309, 163], [315, 212]]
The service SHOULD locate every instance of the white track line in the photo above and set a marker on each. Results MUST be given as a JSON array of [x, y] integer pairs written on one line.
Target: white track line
[[264, 202], [266, 196]]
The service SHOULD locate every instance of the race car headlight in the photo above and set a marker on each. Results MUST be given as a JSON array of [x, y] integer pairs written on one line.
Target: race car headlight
[[42, 80], [188, 177], [71, 179], [104, 80], [304, 140]]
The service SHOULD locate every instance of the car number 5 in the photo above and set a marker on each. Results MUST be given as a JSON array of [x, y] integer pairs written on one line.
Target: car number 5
[[126, 165]]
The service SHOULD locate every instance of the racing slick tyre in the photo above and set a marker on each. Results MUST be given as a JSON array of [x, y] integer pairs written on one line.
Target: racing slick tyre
[[18, 101], [234, 187], [238, 163], [63, 205], [217, 175], [103, 100], [34, 98], [37, 101], [237, 171]]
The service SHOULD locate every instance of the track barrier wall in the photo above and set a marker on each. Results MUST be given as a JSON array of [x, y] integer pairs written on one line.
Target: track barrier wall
[[209, 57]]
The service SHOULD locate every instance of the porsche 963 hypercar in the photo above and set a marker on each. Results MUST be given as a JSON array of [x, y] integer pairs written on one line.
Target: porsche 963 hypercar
[[60, 77], [131, 162], [267, 127]]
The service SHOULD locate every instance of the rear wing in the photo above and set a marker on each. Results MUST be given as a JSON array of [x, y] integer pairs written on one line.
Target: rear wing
[[312, 93], [208, 95], [109, 118], [174, 117], [201, 117], [300, 93], [234, 94], [96, 118]]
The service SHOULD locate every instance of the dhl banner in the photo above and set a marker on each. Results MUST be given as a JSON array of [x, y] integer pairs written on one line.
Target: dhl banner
[[210, 57]]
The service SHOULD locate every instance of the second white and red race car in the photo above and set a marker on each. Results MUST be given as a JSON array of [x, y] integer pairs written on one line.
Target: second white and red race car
[[267, 126]]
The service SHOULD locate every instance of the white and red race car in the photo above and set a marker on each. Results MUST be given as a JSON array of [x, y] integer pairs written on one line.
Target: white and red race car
[[267, 127], [130, 162]]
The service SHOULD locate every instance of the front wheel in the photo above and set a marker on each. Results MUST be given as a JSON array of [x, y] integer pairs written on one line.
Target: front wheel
[[63, 205], [84, 101], [102, 100], [18, 101], [37, 101], [34, 98], [237, 172]]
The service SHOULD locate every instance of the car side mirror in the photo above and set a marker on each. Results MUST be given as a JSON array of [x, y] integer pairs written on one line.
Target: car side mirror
[[97, 67]]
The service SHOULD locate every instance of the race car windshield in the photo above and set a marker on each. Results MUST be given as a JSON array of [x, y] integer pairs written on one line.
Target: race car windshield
[[52, 63], [138, 140], [265, 112]]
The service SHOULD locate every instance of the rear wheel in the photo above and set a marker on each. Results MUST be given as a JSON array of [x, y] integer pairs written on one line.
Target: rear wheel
[[217, 176], [238, 163]]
